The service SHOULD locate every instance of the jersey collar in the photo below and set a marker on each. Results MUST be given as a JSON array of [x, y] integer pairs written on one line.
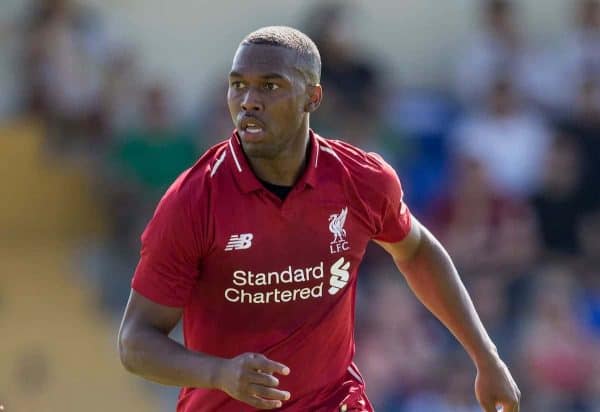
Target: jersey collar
[[247, 180]]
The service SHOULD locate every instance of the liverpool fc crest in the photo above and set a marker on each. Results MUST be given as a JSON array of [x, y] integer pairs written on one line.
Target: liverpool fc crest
[[336, 226]]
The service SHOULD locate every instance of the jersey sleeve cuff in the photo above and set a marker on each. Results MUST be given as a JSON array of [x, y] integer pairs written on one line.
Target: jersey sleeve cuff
[[151, 293]]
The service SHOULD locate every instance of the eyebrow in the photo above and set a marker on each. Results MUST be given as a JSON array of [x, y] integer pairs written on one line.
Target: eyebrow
[[273, 76], [269, 76]]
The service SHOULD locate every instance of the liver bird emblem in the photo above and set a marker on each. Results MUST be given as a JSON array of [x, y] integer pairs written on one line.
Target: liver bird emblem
[[336, 225]]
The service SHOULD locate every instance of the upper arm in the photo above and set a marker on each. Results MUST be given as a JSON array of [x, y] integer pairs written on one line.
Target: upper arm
[[395, 227], [168, 268], [406, 248], [142, 313]]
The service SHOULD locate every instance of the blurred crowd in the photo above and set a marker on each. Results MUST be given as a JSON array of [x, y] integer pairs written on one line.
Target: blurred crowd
[[502, 164]]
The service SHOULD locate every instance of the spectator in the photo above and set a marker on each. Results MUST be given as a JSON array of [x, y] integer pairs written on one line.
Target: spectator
[[556, 351], [578, 57], [560, 203], [401, 344], [352, 82], [584, 123], [508, 139], [121, 92], [144, 160], [589, 304], [497, 50], [490, 295], [416, 137], [63, 68], [214, 120], [454, 390], [483, 229]]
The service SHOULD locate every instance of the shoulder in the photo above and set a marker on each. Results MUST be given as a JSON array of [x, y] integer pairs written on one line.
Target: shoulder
[[194, 182], [373, 188], [358, 164]]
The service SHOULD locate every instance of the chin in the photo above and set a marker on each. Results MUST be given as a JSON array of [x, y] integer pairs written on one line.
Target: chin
[[259, 150]]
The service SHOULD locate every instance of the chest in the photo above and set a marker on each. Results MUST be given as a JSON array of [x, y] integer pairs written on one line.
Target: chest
[[308, 226], [292, 254]]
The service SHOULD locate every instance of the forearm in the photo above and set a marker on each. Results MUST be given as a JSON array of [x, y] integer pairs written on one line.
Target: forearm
[[155, 356], [433, 278]]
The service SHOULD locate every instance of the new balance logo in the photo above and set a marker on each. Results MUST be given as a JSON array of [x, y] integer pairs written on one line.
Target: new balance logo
[[237, 242]]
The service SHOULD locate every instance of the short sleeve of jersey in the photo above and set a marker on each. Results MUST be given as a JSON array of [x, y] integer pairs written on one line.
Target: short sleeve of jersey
[[394, 221], [168, 267]]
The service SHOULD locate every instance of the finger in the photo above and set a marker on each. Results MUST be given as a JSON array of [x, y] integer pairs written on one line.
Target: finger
[[262, 363], [259, 403], [268, 393], [263, 379], [488, 406], [512, 406]]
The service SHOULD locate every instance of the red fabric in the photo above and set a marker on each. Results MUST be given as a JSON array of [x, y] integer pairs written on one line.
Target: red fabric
[[348, 391], [289, 291]]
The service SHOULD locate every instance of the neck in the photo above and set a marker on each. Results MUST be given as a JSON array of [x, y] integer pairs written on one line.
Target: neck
[[286, 168]]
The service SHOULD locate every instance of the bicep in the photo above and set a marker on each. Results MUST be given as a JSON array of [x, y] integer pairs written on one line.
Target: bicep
[[143, 313], [406, 248]]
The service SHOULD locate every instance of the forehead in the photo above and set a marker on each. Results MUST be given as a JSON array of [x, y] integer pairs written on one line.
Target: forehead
[[256, 59]]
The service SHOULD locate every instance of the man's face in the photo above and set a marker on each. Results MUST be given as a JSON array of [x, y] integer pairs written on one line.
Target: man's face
[[268, 99]]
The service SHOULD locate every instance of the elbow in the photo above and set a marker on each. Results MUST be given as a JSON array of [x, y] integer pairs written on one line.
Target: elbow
[[127, 350]]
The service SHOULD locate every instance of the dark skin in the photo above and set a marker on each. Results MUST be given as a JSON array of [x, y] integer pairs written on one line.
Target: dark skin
[[270, 99], [147, 351], [267, 85]]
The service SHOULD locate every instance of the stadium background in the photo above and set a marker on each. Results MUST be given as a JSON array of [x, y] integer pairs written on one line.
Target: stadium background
[[490, 114]]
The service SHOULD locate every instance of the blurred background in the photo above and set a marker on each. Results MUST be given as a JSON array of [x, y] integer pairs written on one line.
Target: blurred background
[[488, 110]]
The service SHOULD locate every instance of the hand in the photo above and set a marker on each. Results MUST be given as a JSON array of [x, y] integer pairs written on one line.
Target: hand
[[249, 378], [494, 386]]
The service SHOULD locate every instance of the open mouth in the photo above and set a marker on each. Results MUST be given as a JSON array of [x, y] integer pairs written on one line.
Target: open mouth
[[253, 129]]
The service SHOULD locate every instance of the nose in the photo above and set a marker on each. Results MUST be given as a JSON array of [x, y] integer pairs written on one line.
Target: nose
[[251, 102]]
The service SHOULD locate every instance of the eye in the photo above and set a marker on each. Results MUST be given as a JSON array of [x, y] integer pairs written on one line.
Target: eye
[[236, 84], [271, 86]]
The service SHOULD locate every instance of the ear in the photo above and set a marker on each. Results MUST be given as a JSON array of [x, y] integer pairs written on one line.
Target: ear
[[315, 95]]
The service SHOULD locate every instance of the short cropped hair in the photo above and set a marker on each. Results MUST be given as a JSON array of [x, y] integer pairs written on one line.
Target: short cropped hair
[[290, 38]]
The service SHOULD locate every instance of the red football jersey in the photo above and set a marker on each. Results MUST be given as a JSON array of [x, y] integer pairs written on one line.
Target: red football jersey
[[255, 273]]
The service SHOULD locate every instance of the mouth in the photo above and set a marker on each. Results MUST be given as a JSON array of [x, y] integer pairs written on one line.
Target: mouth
[[251, 128]]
